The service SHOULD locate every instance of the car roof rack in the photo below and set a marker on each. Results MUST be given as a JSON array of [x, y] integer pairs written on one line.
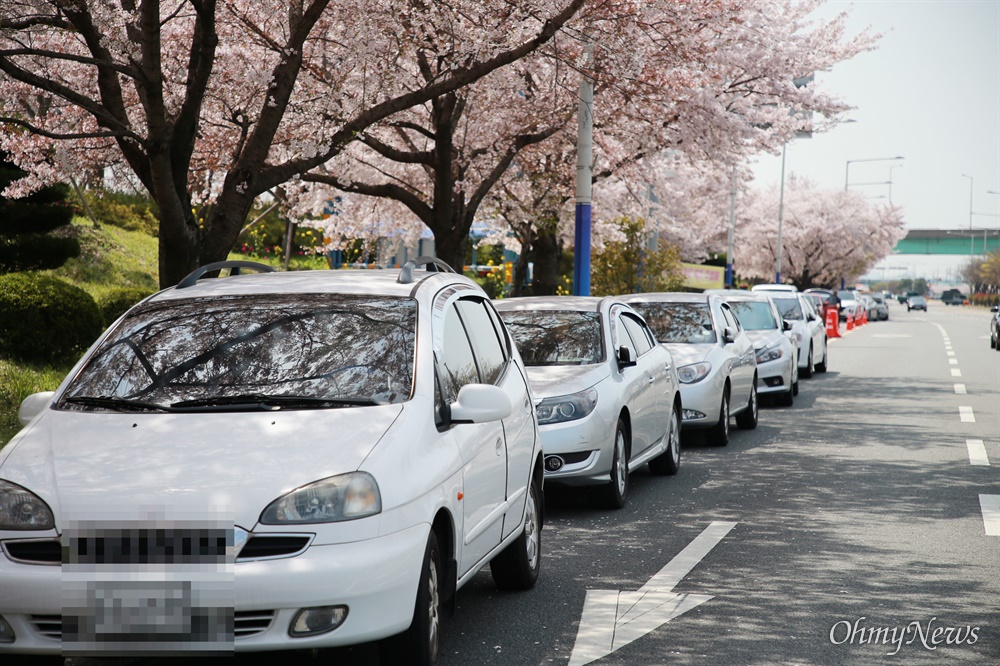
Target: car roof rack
[[431, 264], [234, 267]]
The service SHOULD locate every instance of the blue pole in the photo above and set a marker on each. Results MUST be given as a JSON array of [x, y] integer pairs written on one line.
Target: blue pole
[[581, 252]]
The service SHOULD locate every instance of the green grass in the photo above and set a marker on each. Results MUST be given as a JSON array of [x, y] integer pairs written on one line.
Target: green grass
[[17, 382]]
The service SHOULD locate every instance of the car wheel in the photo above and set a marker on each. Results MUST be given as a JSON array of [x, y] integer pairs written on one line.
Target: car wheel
[[517, 566], [719, 433], [807, 371], [668, 462], [421, 643], [616, 492], [747, 419]]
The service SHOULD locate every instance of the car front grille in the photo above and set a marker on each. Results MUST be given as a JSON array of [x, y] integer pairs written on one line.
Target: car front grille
[[262, 546], [34, 551]]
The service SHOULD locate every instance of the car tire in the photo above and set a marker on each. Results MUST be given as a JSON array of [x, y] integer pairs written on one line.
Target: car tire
[[517, 566], [669, 462], [747, 419], [421, 643], [615, 493], [807, 371], [719, 433]]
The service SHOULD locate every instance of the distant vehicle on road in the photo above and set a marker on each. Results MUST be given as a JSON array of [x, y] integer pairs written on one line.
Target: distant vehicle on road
[[953, 297], [916, 303]]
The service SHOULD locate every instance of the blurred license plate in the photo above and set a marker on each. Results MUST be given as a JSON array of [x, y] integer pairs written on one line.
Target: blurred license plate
[[151, 608]]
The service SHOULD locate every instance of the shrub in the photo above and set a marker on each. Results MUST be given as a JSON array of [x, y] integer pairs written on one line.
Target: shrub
[[43, 319], [116, 301]]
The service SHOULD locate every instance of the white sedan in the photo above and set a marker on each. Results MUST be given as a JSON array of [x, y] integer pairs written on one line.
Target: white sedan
[[808, 329], [272, 462], [716, 363], [608, 398]]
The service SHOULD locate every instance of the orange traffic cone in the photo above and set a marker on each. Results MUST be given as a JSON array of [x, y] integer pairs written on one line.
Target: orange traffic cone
[[832, 323], [850, 322]]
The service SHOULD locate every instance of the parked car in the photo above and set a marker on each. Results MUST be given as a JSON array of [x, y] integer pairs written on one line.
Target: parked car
[[881, 307], [273, 461], [995, 327], [868, 307], [808, 329], [850, 304], [608, 392], [777, 365], [715, 360], [916, 303]]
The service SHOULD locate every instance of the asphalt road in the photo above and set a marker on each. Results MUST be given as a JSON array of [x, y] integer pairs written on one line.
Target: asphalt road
[[859, 533]]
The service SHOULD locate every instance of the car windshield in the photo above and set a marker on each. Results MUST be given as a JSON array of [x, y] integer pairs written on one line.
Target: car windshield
[[291, 351], [687, 323], [754, 315], [546, 337], [790, 308], [846, 295]]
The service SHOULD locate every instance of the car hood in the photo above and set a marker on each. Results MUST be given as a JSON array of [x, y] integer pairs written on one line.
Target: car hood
[[685, 354], [552, 380], [761, 339], [99, 466]]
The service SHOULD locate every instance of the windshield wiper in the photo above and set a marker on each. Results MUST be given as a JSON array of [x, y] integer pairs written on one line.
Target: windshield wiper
[[267, 402], [120, 403]]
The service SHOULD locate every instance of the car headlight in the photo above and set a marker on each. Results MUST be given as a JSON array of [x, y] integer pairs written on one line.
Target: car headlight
[[566, 407], [338, 498], [695, 372], [769, 353], [21, 509]]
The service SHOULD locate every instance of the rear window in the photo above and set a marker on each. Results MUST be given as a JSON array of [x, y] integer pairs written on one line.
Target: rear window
[[556, 337], [205, 351], [687, 323], [754, 315]]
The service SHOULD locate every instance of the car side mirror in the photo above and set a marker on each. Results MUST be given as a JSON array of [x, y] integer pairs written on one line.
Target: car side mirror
[[728, 336], [480, 403], [34, 405], [786, 325], [811, 317], [624, 356], [995, 308]]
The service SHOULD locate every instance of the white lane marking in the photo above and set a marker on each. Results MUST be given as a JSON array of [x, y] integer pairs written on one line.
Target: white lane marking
[[965, 413], [955, 372], [960, 389], [953, 361], [977, 452], [612, 619], [990, 506], [951, 353]]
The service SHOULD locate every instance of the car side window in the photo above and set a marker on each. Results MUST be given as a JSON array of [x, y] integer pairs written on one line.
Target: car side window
[[457, 361], [730, 319], [485, 341], [635, 328], [620, 336]]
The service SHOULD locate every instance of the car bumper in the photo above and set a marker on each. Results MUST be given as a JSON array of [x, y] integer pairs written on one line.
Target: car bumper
[[584, 446], [775, 376], [705, 398], [376, 579]]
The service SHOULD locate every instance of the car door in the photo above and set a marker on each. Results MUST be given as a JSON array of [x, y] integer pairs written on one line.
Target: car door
[[492, 348], [745, 363], [638, 382], [481, 445]]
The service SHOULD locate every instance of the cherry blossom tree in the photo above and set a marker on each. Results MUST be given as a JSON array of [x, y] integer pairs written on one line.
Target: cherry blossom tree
[[827, 235], [211, 103]]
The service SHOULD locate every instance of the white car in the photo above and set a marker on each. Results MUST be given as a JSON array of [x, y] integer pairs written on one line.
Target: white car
[[273, 461], [784, 288], [716, 363], [777, 364], [608, 396], [808, 329]]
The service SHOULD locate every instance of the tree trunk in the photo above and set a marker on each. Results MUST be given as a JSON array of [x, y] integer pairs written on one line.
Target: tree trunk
[[548, 253]]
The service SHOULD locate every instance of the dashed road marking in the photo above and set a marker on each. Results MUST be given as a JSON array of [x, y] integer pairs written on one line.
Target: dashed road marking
[[951, 353], [960, 389], [955, 372], [990, 506], [965, 413], [953, 361], [977, 452]]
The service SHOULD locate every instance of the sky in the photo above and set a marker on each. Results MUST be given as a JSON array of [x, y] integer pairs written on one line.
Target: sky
[[930, 93]]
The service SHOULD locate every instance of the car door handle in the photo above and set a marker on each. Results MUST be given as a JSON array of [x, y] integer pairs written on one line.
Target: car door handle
[[499, 446], [651, 379]]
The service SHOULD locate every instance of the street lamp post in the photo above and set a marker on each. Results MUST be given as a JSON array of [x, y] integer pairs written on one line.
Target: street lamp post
[[781, 210], [894, 166], [847, 167]]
